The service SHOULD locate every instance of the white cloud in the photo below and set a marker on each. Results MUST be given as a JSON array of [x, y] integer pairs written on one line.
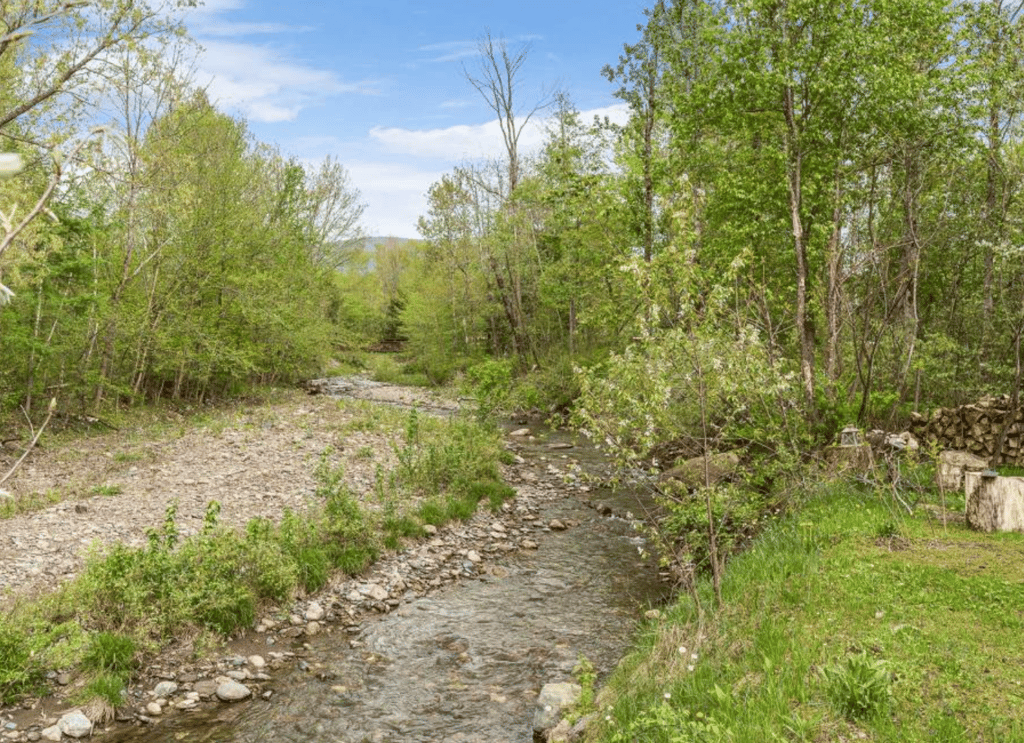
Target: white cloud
[[395, 195], [265, 84], [471, 141], [451, 51], [228, 28]]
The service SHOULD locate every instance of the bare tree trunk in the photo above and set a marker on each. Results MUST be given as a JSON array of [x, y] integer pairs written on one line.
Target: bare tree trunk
[[804, 329]]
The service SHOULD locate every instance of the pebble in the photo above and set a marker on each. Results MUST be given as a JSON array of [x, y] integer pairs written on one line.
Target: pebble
[[153, 709], [315, 612], [257, 661], [165, 689], [232, 691]]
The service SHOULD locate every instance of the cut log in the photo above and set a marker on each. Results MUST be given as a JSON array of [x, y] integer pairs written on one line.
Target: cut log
[[994, 503]]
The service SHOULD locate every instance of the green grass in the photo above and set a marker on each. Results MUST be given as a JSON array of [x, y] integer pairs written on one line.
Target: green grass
[[106, 490], [844, 621]]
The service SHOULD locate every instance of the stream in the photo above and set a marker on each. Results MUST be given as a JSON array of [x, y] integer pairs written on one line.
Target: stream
[[464, 663]]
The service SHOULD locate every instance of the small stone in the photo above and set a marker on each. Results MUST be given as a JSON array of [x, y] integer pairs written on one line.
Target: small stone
[[64, 679], [205, 689], [237, 675], [473, 556], [520, 432], [652, 615], [313, 628], [296, 620], [33, 736], [232, 691], [154, 709], [75, 724], [257, 661], [529, 544], [497, 526], [165, 689], [557, 525], [315, 612], [185, 704], [52, 733], [429, 529]]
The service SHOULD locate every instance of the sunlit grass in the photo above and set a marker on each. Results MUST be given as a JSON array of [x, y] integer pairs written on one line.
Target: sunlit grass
[[845, 583]]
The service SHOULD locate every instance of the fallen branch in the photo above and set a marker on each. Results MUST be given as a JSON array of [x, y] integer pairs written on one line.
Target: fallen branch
[[32, 444]]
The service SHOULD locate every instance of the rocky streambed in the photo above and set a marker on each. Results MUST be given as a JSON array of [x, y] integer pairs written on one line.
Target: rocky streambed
[[450, 639]]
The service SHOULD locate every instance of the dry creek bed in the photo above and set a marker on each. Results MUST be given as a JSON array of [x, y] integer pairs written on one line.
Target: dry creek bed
[[259, 462]]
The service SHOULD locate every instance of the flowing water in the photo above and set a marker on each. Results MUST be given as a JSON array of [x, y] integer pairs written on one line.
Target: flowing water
[[464, 663]]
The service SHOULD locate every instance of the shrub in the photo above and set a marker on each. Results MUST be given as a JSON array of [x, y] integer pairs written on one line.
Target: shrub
[[20, 673]]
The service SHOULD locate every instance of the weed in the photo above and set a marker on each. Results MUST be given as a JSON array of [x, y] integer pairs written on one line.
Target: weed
[[20, 672], [860, 686], [109, 651], [110, 687], [105, 490]]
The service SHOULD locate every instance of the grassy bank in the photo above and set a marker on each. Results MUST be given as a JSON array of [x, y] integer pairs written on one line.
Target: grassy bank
[[127, 604], [849, 620]]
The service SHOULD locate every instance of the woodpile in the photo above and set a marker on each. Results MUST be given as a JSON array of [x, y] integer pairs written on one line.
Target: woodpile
[[974, 428]]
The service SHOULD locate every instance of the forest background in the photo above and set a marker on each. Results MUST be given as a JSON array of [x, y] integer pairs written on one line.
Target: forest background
[[811, 218]]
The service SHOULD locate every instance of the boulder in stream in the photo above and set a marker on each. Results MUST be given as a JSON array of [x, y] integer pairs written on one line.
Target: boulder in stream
[[553, 699]]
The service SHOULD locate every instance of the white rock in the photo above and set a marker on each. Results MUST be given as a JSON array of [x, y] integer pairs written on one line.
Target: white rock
[[315, 612], [165, 689], [377, 592], [52, 733], [75, 724], [154, 709], [429, 529], [552, 700], [257, 661], [473, 556], [313, 628], [520, 432], [232, 691]]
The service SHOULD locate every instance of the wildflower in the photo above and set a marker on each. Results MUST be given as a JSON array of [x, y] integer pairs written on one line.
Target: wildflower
[[693, 656], [689, 668], [682, 650], [667, 695]]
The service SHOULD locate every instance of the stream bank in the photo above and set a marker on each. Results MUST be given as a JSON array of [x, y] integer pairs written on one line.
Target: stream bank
[[491, 552]]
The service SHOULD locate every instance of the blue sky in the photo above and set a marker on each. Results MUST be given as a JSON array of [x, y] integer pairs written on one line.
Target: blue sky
[[380, 85]]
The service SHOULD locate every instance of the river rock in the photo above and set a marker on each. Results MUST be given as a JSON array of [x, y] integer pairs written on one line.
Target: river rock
[[473, 556], [232, 691], [377, 592], [690, 474], [557, 525], [206, 689], [75, 724], [429, 529], [165, 689], [154, 709], [315, 612], [553, 699], [313, 628], [51, 733], [257, 661], [520, 432]]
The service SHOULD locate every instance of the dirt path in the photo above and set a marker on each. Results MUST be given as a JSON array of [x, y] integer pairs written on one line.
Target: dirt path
[[115, 486]]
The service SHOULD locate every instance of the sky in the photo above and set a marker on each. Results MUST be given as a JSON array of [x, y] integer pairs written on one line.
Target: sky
[[381, 87]]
